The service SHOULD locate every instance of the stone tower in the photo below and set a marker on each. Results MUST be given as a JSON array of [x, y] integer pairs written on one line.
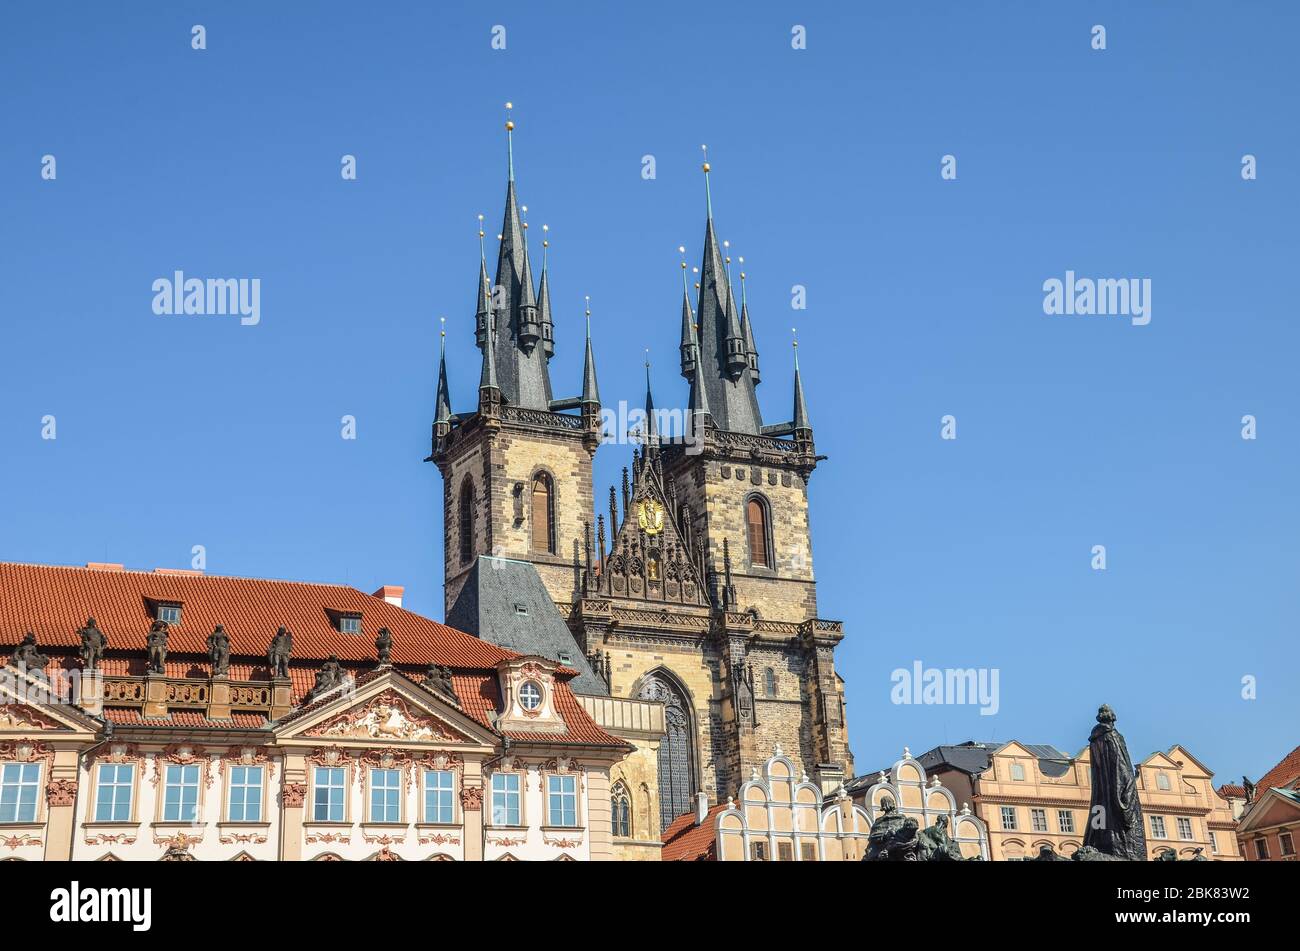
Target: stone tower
[[693, 586]]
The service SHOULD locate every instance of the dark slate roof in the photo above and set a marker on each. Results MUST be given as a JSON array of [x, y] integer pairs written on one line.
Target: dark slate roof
[[1051, 761], [489, 607]]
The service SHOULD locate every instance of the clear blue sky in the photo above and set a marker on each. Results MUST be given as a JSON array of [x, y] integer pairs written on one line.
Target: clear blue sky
[[924, 299]]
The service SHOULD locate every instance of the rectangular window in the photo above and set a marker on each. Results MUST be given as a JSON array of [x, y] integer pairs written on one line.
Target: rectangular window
[[758, 851], [1185, 829], [19, 783], [1038, 819], [562, 800], [1008, 817], [385, 795], [245, 794], [350, 624], [808, 851], [181, 793], [1158, 827], [505, 799], [171, 613], [329, 785], [1018, 772], [437, 796], [1214, 843], [1284, 840], [113, 791], [1066, 820], [785, 851], [1261, 849]]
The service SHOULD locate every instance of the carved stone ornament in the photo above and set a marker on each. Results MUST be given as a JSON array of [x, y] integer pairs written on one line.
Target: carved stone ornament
[[61, 792], [293, 795], [182, 754], [249, 756], [471, 797], [386, 717], [22, 717]]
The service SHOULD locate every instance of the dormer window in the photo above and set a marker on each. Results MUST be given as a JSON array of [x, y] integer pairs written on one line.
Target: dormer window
[[350, 623], [521, 609], [169, 611], [530, 695], [566, 658]]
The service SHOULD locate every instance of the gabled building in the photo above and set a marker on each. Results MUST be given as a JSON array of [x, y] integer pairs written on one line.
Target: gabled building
[[693, 589], [176, 715], [1269, 827]]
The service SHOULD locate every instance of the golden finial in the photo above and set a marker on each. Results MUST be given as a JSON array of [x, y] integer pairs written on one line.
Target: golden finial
[[706, 159], [587, 298], [545, 241], [444, 325], [480, 226], [510, 140], [708, 196], [510, 126], [523, 213]]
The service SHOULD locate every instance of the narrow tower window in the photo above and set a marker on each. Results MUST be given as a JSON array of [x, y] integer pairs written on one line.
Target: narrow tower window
[[756, 522], [543, 513], [466, 520]]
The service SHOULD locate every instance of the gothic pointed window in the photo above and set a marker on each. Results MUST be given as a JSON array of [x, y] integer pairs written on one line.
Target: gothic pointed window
[[756, 524], [620, 810], [769, 682], [677, 749], [543, 513], [466, 520]]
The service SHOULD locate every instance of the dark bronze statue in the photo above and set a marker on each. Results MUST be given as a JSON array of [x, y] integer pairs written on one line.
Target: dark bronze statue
[[156, 645], [93, 644], [28, 658], [935, 845], [893, 838], [328, 677], [277, 655], [219, 651], [384, 646], [1115, 825], [438, 679]]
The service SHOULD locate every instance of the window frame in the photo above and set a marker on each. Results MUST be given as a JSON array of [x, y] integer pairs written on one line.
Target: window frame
[[163, 610], [198, 766], [550, 778], [345, 786], [1162, 782], [372, 788], [465, 518], [1068, 817], [1037, 819], [1285, 843], [1261, 850], [261, 787], [769, 681], [620, 798], [765, 512], [537, 689], [543, 478], [1017, 772], [1181, 823], [426, 789], [20, 784], [131, 785], [1004, 813], [518, 792], [1158, 829]]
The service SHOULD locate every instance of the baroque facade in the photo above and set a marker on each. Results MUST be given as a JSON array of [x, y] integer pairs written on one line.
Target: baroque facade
[[692, 586], [171, 715]]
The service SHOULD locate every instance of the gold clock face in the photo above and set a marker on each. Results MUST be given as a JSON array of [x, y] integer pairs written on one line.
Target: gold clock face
[[650, 516]]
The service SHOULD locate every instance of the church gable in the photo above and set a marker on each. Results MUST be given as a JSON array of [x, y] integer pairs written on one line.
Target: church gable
[[26, 705], [648, 558], [387, 710]]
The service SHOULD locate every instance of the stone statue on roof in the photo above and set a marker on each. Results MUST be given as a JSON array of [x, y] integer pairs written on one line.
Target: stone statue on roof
[[219, 651], [156, 645], [277, 654], [384, 646], [438, 679], [27, 657], [93, 644], [328, 677]]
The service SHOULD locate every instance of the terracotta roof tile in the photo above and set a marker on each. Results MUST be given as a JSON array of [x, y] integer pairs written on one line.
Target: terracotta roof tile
[[1283, 775], [684, 841], [53, 601], [1231, 790], [186, 718]]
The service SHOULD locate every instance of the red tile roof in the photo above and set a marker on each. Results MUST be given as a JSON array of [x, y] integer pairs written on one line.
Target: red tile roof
[[53, 602], [684, 841], [1231, 791], [1283, 775], [185, 718]]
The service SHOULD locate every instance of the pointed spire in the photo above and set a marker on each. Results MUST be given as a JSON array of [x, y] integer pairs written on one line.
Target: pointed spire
[[530, 326], [442, 409], [488, 377], [544, 300], [651, 424], [590, 391], [800, 407], [700, 415], [484, 305], [747, 330], [690, 346]]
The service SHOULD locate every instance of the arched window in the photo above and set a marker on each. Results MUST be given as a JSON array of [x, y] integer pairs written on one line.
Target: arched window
[[466, 520], [756, 524], [620, 810], [677, 749], [543, 513], [769, 682]]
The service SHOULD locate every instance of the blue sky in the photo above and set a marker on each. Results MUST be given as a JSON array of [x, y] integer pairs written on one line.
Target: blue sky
[[924, 299]]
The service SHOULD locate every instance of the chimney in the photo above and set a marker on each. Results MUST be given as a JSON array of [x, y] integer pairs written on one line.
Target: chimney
[[105, 566], [701, 807], [178, 571], [392, 593]]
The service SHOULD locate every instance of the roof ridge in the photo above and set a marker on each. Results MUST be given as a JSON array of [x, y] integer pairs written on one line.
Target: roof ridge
[[154, 573]]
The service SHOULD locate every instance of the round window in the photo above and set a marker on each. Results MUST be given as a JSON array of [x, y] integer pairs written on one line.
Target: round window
[[530, 695]]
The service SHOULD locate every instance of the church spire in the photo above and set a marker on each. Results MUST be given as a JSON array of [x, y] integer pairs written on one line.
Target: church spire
[[488, 377], [590, 391], [747, 330], [484, 305], [800, 407], [442, 406], [544, 301], [737, 359], [690, 346], [651, 424]]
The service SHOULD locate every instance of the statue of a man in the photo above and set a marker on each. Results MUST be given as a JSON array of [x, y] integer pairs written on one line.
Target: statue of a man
[[384, 646], [277, 655], [1115, 825], [439, 679], [156, 645], [93, 644], [328, 677], [219, 651], [27, 657]]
